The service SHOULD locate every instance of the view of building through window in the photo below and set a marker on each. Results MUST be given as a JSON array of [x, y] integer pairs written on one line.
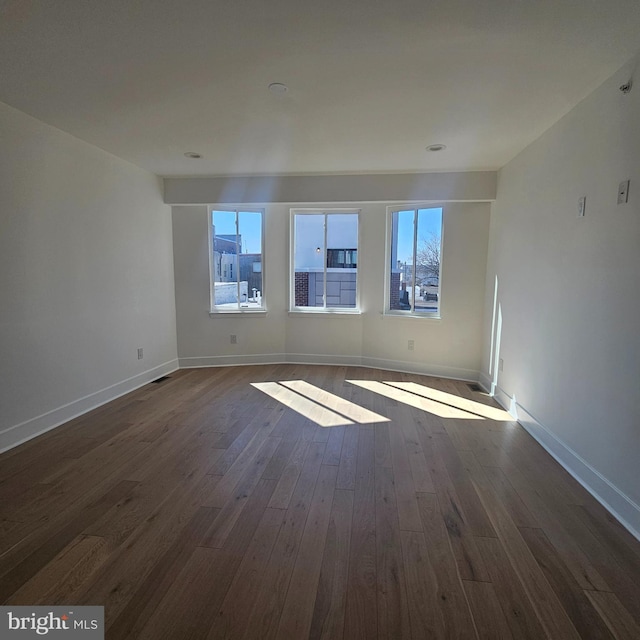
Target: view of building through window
[[236, 260], [416, 241], [325, 260]]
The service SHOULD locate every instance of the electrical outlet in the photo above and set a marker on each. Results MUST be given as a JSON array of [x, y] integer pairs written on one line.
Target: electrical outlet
[[501, 365], [411, 345], [623, 192], [581, 206], [233, 338], [140, 354]]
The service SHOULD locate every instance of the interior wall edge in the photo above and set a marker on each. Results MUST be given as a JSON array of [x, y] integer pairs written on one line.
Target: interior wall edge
[[24, 431]]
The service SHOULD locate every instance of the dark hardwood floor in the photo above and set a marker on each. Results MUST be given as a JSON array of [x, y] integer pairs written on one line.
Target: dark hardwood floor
[[302, 502]]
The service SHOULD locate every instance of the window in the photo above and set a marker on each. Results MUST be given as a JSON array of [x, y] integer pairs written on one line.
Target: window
[[324, 261], [236, 260], [414, 261]]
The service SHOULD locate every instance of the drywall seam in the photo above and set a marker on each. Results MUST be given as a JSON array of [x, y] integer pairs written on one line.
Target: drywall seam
[[19, 433]]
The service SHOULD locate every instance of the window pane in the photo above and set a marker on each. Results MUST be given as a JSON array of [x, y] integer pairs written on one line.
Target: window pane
[[308, 259], [401, 260], [428, 261], [342, 238], [250, 258], [225, 256]]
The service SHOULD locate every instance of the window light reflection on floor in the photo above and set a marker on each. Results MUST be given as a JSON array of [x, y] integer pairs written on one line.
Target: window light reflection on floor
[[486, 411], [318, 405]]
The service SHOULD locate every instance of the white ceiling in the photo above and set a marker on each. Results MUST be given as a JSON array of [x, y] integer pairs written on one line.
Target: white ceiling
[[371, 83]]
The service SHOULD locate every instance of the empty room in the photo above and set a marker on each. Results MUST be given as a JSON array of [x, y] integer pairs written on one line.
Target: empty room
[[320, 320]]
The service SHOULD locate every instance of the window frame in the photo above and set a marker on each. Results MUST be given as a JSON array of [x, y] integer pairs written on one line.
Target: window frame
[[324, 310], [411, 313], [237, 210]]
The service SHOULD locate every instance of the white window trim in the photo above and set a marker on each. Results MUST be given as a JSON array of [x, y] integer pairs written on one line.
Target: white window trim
[[234, 208], [387, 311], [319, 311]]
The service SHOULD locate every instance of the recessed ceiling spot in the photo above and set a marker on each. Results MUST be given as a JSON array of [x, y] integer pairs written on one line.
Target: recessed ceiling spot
[[192, 154], [436, 147], [278, 88]]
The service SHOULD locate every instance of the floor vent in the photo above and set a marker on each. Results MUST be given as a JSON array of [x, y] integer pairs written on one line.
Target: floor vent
[[160, 380], [474, 386]]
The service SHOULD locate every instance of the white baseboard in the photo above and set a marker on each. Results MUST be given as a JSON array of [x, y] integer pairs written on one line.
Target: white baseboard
[[19, 433], [605, 492], [401, 366], [484, 381], [422, 368], [232, 361], [313, 358]]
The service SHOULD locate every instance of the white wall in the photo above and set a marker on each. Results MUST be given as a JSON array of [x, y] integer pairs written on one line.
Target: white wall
[[470, 186], [568, 289], [451, 346], [86, 277]]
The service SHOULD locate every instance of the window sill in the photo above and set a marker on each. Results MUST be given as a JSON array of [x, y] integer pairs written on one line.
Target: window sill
[[414, 316], [238, 312], [323, 314]]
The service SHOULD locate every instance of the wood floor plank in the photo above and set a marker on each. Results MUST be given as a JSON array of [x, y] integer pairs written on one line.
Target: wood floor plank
[[190, 607], [265, 617], [584, 617], [347, 467], [44, 549], [404, 486], [161, 578], [129, 565], [547, 606], [232, 619], [458, 622], [383, 446], [297, 611], [619, 620], [61, 577], [330, 605], [290, 475], [393, 612], [422, 480], [609, 532], [518, 610], [361, 613], [229, 514], [475, 516], [469, 561], [334, 445], [520, 514], [425, 613], [488, 616], [563, 532]]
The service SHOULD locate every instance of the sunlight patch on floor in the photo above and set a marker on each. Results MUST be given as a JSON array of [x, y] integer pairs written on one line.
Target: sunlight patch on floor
[[443, 410], [318, 405], [345, 407], [491, 413]]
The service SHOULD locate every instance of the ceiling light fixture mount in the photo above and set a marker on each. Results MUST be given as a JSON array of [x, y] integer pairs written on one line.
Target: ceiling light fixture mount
[[436, 147], [193, 155], [278, 88]]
